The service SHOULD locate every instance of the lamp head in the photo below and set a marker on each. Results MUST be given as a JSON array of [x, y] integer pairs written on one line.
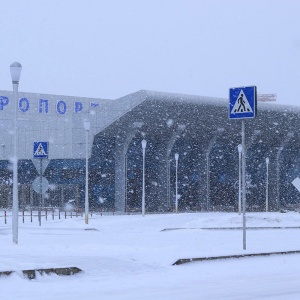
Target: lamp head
[[86, 124], [144, 144], [240, 148], [15, 72], [267, 160], [176, 156]]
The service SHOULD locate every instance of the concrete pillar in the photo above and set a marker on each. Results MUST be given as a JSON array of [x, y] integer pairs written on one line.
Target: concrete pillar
[[207, 154], [62, 196], [163, 180], [1, 194], [202, 180], [278, 160], [176, 135], [163, 153], [273, 154], [275, 159], [9, 196], [122, 143], [30, 195], [77, 195]]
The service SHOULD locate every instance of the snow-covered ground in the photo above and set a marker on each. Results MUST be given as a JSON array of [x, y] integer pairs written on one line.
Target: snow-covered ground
[[131, 257]]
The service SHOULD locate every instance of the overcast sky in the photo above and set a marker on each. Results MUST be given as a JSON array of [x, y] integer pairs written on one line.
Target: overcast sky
[[111, 48]]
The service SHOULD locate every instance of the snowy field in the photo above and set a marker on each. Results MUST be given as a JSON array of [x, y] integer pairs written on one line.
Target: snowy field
[[130, 257]]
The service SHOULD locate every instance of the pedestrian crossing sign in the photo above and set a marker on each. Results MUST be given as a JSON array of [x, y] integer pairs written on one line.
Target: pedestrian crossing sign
[[40, 149], [242, 102]]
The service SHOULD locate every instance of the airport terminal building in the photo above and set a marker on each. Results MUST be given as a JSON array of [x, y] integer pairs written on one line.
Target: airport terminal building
[[195, 127]]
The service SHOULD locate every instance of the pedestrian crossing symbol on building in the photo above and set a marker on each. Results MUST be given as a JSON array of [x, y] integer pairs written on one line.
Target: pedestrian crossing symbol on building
[[40, 149], [242, 102]]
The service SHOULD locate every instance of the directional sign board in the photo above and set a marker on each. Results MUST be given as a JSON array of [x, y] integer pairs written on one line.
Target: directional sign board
[[242, 102], [40, 149]]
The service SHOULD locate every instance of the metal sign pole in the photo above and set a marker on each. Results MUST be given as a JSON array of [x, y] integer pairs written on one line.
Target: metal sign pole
[[267, 185], [240, 147], [40, 184], [41, 191], [244, 183], [242, 104]]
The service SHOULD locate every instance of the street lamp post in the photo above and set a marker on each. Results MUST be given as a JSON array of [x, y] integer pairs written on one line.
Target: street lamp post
[[176, 199], [240, 149], [15, 71], [144, 144], [267, 184], [87, 126]]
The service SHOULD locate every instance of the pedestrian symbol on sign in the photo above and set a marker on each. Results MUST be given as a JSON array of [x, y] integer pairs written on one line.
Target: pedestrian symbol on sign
[[40, 149], [242, 104]]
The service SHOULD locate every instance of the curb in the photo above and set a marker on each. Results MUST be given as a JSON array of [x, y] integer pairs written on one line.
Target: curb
[[189, 260], [231, 228], [31, 274]]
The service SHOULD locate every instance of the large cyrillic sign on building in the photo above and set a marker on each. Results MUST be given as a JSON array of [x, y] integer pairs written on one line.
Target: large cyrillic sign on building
[[57, 119], [43, 105]]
